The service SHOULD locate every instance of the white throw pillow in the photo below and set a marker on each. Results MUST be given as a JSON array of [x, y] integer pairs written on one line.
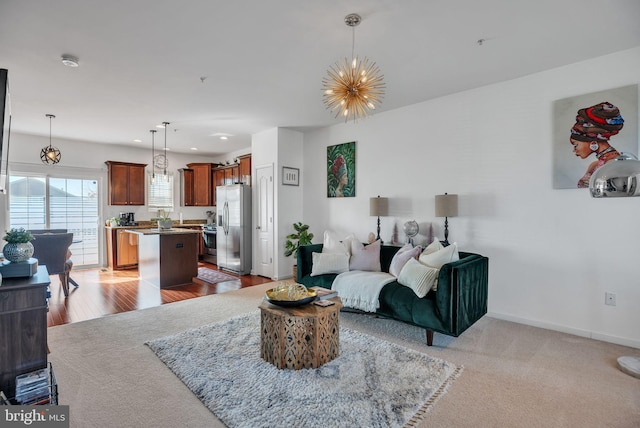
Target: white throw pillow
[[329, 263], [440, 257], [365, 258], [402, 257], [418, 277], [433, 247], [331, 243]]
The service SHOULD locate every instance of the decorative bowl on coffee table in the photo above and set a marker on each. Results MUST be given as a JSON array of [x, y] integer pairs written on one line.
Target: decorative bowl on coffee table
[[311, 296]]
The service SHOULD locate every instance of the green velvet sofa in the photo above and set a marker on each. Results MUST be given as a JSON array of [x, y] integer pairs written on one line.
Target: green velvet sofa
[[460, 299]]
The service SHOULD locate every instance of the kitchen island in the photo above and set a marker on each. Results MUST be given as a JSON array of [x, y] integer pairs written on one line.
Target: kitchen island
[[167, 257]]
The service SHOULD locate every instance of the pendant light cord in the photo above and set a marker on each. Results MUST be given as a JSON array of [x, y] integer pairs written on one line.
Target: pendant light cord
[[353, 42], [166, 125], [153, 154], [50, 116]]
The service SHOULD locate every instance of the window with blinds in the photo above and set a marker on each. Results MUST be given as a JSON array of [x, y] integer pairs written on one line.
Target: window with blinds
[[160, 192]]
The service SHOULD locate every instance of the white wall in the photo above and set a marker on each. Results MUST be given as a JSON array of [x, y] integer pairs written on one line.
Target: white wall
[[289, 197], [280, 147], [553, 253]]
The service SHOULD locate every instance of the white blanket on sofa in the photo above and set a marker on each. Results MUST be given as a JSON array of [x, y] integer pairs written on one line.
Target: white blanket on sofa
[[360, 289]]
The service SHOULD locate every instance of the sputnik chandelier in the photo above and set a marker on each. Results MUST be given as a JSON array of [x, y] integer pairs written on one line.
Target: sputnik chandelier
[[352, 89], [50, 155]]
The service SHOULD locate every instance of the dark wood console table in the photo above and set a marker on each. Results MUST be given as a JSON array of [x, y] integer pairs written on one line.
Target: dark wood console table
[[23, 327]]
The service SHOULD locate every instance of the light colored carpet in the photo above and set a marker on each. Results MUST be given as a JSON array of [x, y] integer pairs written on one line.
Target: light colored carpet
[[371, 383], [514, 376]]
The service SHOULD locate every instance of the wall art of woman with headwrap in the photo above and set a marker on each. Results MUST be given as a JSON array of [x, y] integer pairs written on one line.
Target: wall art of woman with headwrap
[[594, 127], [340, 173], [341, 170]]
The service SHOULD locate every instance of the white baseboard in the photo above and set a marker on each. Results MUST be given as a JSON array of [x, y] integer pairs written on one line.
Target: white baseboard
[[569, 330]]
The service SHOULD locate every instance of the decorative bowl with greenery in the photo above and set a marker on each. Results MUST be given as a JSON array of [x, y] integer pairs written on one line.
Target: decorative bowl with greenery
[[19, 247], [164, 221], [18, 235]]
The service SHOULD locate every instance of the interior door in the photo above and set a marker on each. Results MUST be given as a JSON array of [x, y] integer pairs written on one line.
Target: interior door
[[264, 234]]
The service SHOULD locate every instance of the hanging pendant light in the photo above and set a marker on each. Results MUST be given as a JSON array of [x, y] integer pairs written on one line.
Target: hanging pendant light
[[353, 88], [50, 155], [153, 155], [166, 125]]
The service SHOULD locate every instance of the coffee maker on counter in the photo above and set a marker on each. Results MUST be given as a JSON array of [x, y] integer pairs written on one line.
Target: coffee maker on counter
[[126, 219]]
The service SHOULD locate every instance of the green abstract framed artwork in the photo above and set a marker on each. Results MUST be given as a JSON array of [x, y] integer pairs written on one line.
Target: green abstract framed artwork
[[341, 170]]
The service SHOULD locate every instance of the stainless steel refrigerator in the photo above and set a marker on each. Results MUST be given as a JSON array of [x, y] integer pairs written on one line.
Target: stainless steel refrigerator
[[233, 203]]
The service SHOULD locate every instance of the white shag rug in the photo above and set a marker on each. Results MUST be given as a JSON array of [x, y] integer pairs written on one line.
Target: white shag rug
[[373, 383]]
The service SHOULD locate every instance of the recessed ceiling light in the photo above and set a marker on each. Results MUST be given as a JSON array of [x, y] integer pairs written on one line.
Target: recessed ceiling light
[[221, 134], [161, 126], [194, 148], [224, 138], [70, 60], [137, 141]]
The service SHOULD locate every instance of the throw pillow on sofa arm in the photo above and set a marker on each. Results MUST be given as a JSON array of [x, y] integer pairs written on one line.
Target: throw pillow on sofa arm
[[403, 255], [418, 277]]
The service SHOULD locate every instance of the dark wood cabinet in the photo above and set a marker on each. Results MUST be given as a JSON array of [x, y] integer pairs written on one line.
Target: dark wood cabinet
[[245, 169], [202, 184], [218, 180], [199, 180], [186, 187], [231, 175], [126, 183], [122, 249], [23, 327], [200, 238]]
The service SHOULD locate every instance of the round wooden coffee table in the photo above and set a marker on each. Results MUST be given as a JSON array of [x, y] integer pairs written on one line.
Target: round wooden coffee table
[[302, 337]]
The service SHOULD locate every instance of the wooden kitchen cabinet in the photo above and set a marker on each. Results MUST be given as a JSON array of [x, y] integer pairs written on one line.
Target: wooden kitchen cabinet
[[200, 238], [218, 180], [186, 187], [245, 169], [122, 249], [202, 184], [126, 183], [231, 175]]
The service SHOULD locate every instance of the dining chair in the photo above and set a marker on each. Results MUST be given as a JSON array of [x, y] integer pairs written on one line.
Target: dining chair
[[52, 251], [41, 231]]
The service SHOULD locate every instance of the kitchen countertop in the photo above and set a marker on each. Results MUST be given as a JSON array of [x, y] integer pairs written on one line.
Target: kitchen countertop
[[155, 231], [152, 224]]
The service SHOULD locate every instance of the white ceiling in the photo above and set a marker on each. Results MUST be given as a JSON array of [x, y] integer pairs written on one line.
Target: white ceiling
[[141, 61]]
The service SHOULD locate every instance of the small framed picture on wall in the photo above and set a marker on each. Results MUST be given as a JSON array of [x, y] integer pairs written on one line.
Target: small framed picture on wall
[[290, 176]]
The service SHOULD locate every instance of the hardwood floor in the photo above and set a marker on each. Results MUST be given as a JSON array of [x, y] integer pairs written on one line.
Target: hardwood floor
[[104, 292]]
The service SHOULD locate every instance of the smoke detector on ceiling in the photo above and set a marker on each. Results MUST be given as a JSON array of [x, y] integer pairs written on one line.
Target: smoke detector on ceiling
[[70, 60]]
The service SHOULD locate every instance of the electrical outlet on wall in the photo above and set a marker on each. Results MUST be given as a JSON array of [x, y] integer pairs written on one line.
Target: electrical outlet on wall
[[610, 299]]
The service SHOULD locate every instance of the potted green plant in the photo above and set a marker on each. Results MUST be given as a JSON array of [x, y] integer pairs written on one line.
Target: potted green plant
[[302, 236], [113, 222], [164, 221], [18, 247]]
